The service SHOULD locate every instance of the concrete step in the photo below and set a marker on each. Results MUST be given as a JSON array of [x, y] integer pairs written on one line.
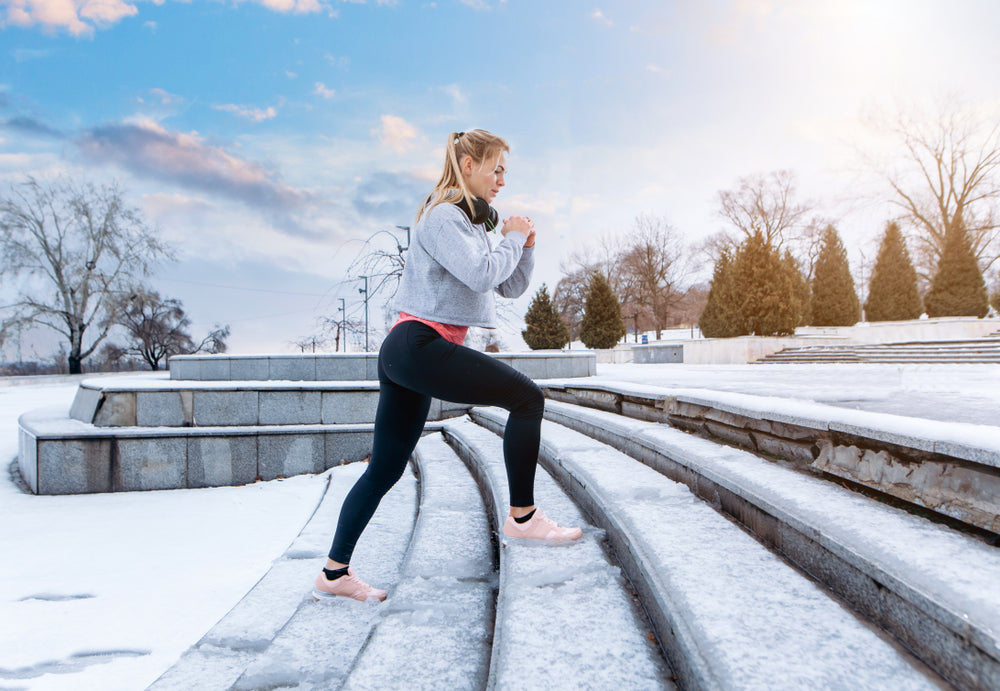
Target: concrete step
[[155, 401], [278, 636], [60, 455], [566, 618], [729, 613], [929, 586]]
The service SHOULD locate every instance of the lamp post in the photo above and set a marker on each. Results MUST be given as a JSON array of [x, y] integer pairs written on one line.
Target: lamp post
[[343, 325], [364, 291], [400, 247]]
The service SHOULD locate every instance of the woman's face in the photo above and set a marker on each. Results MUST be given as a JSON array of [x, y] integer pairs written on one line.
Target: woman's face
[[485, 179]]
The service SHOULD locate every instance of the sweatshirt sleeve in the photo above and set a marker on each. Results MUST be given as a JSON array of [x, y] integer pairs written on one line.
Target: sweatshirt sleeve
[[454, 243], [518, 282]]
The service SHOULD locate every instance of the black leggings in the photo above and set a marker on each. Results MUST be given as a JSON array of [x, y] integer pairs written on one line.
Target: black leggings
[[416, 364]]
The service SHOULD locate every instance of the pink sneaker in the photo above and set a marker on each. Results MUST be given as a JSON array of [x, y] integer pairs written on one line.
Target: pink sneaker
[[540, 527], [345, 586]]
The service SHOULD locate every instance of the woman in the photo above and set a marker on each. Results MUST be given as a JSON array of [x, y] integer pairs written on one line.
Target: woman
[[447, 286]]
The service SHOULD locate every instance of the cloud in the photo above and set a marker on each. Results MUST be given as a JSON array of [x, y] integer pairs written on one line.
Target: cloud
[[152, 26], [396, 133], [167, 98], [26, 54], [321, 90], [32, 126], [599, 16], [389, 197], [83, 17], [248, 112], [146, 148]]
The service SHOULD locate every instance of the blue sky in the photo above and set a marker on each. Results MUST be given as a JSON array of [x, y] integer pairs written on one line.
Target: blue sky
[[267, 140]]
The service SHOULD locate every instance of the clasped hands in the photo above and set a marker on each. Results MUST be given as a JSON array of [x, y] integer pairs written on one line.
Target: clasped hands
[[520, 224]]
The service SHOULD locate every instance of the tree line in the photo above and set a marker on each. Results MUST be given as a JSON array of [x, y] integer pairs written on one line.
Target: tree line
[[779, 265], [76, 256]]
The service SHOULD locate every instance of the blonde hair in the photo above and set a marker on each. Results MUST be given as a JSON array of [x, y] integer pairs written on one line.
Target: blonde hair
[[481, 146]]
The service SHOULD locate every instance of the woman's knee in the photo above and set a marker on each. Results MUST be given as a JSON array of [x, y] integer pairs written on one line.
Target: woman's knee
[[531, 400]]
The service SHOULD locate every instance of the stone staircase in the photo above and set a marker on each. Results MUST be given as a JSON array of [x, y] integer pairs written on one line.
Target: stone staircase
[[701, 566], [969, 351]]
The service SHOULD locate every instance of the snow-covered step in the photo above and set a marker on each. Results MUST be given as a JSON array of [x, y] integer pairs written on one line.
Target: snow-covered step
[[436, 628], [933, 588], [730, 613], [566, 618], [278, 636]]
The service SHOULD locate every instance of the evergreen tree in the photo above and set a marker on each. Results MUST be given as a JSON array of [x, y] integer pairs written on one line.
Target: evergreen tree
[[766, 301], [545, 327], [958, 289], [834, 302], [800, 287], [602, 324], [892, 292], [719, 319]]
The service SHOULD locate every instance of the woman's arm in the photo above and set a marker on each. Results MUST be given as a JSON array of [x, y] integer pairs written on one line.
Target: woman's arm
[[518, 282], [457, 246]]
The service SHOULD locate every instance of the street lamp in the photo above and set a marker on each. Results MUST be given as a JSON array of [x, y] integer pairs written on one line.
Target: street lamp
[[343, 325], [364, 291], [400, 247]]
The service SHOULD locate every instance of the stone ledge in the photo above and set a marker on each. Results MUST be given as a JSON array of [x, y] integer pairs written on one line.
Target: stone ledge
[[59, 455], [947, 467], [357, 366]]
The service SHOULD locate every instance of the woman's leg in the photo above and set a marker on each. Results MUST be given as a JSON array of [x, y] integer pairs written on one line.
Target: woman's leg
[[399, 420], [451, 372]]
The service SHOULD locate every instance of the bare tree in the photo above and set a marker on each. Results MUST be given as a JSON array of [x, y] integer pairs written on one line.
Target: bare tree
[[78, 246], [949, 172], [764, 203], [157, 329], [654, 261]]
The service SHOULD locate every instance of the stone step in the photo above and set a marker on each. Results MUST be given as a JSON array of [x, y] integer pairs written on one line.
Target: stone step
[[929, 586], [729, 613], [155, 401], [436, 628], [60, 455], [278, 636], [565, 615], [540, 364]]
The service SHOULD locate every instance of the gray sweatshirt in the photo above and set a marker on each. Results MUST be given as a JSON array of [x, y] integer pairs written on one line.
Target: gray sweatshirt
[[452, 270]]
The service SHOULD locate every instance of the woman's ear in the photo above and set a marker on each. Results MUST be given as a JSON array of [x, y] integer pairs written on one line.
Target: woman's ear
[[466, 165]]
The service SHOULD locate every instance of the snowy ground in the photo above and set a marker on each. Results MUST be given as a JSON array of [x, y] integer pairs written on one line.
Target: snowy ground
[[106, 591]]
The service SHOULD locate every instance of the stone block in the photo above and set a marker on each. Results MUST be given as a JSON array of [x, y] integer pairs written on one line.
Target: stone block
[[344, 447], [215, 368], [117, 409], [164, 408], [345, 407], [886, 435], [290, 407], [222, 408], [292, 368], [150, 463], [222, 461], [593, 398], [285, 455], [249, 369], [371, 367], [531, 367], [85, 404], [182, 367], [74, 466], [27, 458], [342, 368], [558, 367]]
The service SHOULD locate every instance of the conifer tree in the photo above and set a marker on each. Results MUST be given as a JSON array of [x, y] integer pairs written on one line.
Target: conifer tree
[[602, 324], [800, 288], [958, 289], [892, 292], [766, 300], [719, 318], [834, 302], [546, 329]]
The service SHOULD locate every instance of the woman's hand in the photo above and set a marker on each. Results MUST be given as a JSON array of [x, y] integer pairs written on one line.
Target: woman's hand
[[520, 224]]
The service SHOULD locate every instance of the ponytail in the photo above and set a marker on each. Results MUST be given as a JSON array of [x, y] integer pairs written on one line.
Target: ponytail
[[480, 145]]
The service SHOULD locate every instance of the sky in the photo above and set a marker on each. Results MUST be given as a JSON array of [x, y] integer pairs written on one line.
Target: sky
[[267, 141]]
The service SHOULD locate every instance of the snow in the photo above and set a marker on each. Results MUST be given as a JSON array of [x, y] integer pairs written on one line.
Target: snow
[[106, 591]]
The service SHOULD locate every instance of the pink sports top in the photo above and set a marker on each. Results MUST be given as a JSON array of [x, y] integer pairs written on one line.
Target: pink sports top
[[449, 332]]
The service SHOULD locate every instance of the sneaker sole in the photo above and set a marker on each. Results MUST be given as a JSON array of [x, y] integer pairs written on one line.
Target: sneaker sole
[[320, 596]]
